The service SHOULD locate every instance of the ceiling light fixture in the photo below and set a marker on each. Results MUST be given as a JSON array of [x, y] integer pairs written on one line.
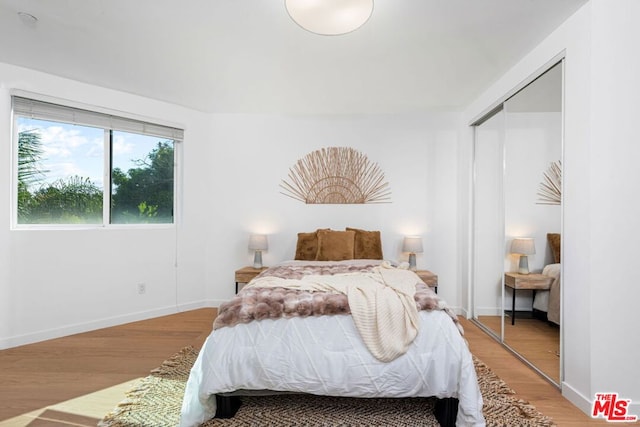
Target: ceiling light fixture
[[330, 17]]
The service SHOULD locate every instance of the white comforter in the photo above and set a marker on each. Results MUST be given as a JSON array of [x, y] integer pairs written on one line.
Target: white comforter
[[382, 304], [326, 356]]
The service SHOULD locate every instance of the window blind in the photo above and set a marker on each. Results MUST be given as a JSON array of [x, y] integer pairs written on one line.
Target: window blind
[[48, 111]]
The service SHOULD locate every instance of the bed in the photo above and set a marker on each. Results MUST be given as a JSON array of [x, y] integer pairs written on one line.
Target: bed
[[308, 326]]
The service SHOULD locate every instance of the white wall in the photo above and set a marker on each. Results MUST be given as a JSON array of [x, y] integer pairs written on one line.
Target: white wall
[[599, 175], [614, 180], [252, 154], [465, 220], [57, 282]]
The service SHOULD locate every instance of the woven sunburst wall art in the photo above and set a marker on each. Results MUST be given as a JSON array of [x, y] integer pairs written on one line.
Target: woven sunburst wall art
[[550, 192], [336, 175]]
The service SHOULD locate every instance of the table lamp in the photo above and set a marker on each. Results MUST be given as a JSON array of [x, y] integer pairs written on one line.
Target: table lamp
[[258, 243], [413, 245]]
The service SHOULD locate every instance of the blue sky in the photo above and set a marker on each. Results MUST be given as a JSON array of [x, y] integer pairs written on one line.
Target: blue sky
[[79, 150]]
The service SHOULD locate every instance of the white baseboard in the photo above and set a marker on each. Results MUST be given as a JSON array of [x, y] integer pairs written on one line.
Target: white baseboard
[[586, 404], [214, 302], [67, 330], [192, 306], [461, 311], [488, 311], [578, 399]]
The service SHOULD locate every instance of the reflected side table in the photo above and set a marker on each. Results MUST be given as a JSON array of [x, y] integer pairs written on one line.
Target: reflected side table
[[531, 281]]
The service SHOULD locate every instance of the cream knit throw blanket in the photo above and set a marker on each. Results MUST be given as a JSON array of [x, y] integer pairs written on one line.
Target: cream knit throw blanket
[[381, 302]]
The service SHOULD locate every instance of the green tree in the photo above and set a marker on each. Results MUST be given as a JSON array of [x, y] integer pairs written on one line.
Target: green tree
[[142, 194], [75, 200], [69, 201], [145, 193], [30, 154]]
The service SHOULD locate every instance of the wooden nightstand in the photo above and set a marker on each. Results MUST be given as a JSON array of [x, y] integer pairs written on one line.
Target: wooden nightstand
[[530, 281], [245, 274], [429, 278]]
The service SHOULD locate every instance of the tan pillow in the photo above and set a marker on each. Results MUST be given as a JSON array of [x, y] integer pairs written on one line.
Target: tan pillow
[[554, 240], [367, 244], [335, 245]]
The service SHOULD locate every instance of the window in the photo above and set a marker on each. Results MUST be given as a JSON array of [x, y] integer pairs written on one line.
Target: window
[[77, 166]]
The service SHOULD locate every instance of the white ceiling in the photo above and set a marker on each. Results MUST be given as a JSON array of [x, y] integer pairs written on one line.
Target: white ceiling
[[234, 56]]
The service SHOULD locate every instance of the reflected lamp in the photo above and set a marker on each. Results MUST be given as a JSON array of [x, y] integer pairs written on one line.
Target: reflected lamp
[[523, 246]]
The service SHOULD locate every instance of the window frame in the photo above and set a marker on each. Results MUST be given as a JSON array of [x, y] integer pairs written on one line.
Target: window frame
[[174, 132]]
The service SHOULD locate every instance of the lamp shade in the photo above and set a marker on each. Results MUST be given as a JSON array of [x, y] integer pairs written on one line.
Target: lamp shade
[[329, 17], [412, 244], [523, 246], [258, 242]]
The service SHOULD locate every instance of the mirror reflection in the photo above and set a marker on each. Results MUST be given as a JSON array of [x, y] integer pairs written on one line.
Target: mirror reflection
[[517, 240]]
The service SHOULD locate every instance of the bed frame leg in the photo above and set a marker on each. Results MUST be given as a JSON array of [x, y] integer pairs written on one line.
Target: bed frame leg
[[227, 406], [446, 411]]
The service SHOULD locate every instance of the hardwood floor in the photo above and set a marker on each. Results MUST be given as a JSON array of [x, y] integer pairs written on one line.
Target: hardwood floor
[[39, 375], [527, 383]]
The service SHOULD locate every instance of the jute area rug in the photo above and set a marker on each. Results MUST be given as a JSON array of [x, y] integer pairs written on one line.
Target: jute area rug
[[156, 401]]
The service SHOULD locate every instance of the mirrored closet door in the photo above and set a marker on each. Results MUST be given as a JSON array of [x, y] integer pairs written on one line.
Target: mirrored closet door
[[517, 222]]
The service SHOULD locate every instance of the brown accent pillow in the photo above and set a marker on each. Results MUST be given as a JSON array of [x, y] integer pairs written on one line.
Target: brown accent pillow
[[335, 245], [307, 246], [554, 240], [367, 244]]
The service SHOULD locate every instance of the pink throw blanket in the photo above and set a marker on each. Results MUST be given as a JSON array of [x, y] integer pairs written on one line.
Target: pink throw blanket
[[272, 303]]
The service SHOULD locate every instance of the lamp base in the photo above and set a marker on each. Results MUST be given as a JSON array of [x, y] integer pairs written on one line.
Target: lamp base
[[257, 259], [412, 262], [523, 265]]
